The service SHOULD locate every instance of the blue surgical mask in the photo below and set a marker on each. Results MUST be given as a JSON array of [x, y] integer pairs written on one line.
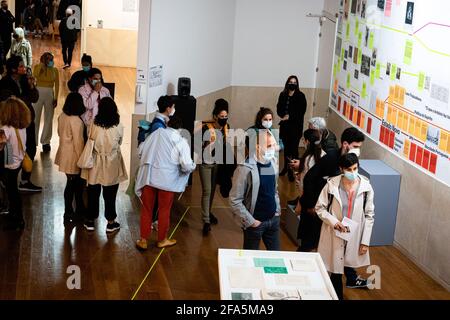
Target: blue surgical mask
[[51, 64], [86, 68], [352, 176], [95, 81]]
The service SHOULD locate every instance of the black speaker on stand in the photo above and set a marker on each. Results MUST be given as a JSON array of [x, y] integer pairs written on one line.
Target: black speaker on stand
[[186, 108]]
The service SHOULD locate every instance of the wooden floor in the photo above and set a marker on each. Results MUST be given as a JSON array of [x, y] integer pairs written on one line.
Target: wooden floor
[[33, 263]]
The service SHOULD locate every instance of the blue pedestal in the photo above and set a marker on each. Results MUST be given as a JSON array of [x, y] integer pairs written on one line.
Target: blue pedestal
[[386, 185]]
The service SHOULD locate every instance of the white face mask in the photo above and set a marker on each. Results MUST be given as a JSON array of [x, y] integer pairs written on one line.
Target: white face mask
[[269, 155], [172, 113], [267, 124], [356, 151]]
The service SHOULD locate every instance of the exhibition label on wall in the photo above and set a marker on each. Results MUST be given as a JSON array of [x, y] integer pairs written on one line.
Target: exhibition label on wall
[[391, 77]]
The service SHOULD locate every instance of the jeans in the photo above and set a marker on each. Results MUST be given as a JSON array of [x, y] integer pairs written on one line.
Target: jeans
[[208, 177], [268, 231], [109, 196]]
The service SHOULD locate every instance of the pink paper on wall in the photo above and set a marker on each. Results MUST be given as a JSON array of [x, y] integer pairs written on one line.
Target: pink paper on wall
[[388, 8]]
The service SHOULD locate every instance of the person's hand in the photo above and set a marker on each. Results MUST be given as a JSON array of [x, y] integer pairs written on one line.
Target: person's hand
[[286, 117], [55, 103], [298, 208], [3, 140], [256, 224], [32, 82], [363, 249], [340, 227], [294, 165], [98, 87]]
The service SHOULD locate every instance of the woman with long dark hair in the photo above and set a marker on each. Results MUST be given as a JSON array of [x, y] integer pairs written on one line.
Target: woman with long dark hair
[[312, 154], [291, 108], [109, 168], [71, 143]]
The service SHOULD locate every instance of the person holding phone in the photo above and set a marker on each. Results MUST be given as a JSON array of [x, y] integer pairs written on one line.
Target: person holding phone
[[92, 92], [347, 196]]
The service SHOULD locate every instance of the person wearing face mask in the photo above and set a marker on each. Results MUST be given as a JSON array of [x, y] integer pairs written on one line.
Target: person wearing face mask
[[254, 196], [264, 121], [47, 77], [166, 110], [6, 28], [69, 36], [21, 47], [315, 179], [347, 196], [165, 166], [80, 77], [214, 133], [23, 86], [310, 157], [92, 92], [291, 108]]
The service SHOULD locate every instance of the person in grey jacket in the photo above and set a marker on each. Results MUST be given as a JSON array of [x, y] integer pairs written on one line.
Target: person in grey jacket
[[254, 196]]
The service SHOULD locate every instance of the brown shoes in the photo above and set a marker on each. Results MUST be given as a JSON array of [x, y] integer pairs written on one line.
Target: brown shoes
[[141, 244], [166, 243]]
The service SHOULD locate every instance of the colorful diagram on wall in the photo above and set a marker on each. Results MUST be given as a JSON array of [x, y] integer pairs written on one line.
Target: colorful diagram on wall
[[391, 77]]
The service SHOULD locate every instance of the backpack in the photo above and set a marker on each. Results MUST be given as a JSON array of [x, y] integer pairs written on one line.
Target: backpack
[[331, 197]]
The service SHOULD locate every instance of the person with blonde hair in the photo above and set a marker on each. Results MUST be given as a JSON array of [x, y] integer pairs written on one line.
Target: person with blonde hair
[[47, 77], [21, 47], [15, 117]]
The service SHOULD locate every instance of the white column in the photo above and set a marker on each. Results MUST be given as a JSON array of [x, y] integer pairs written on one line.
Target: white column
[[143, 55]]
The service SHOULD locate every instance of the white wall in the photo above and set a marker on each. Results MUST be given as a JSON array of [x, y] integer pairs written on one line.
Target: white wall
[[112, 14], [274, 39], [195, 39], [120, 30]]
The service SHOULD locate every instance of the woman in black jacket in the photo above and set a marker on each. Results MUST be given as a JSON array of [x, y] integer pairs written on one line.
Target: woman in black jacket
[[291, 109]]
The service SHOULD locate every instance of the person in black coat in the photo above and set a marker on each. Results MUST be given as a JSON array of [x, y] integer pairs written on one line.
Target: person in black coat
[[22, 85], [315, 179], [6, 28], [69, 35], [80, 77], [291, 108]]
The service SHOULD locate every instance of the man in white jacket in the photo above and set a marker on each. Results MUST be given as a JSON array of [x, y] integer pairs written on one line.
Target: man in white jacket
[[164, 169]]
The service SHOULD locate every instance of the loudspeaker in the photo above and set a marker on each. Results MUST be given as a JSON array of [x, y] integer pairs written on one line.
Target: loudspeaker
[[186, 108], [184, 87]]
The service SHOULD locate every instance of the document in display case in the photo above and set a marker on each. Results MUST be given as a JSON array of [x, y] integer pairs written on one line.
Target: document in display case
[[273, 275]]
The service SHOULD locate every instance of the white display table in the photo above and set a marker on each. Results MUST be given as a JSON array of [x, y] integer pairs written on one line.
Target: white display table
[[273, 275]]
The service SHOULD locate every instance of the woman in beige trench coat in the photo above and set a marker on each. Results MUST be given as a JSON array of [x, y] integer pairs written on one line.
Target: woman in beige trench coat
[[109, 168], [71, 143], [351, 197]]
